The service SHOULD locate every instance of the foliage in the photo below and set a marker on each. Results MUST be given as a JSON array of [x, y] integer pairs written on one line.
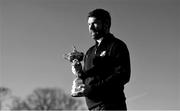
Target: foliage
[[4, 94], [45, 99]]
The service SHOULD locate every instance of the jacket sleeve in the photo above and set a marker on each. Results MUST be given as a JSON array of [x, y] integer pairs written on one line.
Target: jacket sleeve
[[120, 73]]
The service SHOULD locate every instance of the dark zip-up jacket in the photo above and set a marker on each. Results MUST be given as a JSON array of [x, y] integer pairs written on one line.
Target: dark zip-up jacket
[[106, 71]]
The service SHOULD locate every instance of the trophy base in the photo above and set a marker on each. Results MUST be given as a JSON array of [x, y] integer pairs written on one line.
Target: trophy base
[[76, 94]]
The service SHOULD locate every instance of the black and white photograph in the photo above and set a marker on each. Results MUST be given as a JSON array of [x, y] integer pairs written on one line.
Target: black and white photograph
[[89, 55]]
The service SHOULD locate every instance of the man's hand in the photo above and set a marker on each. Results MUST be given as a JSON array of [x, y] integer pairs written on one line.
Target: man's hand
[[78, 87], [76, 67]]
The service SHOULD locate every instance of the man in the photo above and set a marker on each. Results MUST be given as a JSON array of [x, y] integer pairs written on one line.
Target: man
[[106, 66]]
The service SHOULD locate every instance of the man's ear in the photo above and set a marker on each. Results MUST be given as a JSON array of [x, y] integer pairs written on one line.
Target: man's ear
[[106, 25]]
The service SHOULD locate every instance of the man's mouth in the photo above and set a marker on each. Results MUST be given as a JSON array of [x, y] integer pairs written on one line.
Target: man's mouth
[[93, 32]]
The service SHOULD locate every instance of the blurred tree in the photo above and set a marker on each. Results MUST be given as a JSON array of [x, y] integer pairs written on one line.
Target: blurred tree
[[5, 94], [48, 99], [18, 104]]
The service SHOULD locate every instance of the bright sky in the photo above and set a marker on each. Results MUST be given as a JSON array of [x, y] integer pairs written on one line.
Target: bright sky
[[34, 34]]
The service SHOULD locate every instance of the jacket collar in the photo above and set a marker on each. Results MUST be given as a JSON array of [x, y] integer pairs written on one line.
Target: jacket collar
[[106, 39]]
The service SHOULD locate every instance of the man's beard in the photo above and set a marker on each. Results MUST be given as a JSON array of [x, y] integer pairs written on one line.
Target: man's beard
[[97, 34]]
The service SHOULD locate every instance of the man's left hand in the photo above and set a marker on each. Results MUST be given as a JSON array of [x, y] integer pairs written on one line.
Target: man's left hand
[[78, 87]]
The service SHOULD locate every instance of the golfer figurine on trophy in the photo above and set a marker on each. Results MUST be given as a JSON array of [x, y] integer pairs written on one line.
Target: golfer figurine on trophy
[[75, 57]]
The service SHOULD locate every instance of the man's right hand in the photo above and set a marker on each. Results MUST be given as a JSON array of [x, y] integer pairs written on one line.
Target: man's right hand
[[76, 67]]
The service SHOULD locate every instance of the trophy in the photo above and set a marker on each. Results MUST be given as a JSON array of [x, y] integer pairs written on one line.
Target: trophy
[[75, 56]]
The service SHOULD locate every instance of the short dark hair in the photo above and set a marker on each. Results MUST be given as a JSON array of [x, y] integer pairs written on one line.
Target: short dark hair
[[102, 15]]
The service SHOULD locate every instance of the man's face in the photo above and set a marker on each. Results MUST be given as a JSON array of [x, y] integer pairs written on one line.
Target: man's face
[[95, 28]]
